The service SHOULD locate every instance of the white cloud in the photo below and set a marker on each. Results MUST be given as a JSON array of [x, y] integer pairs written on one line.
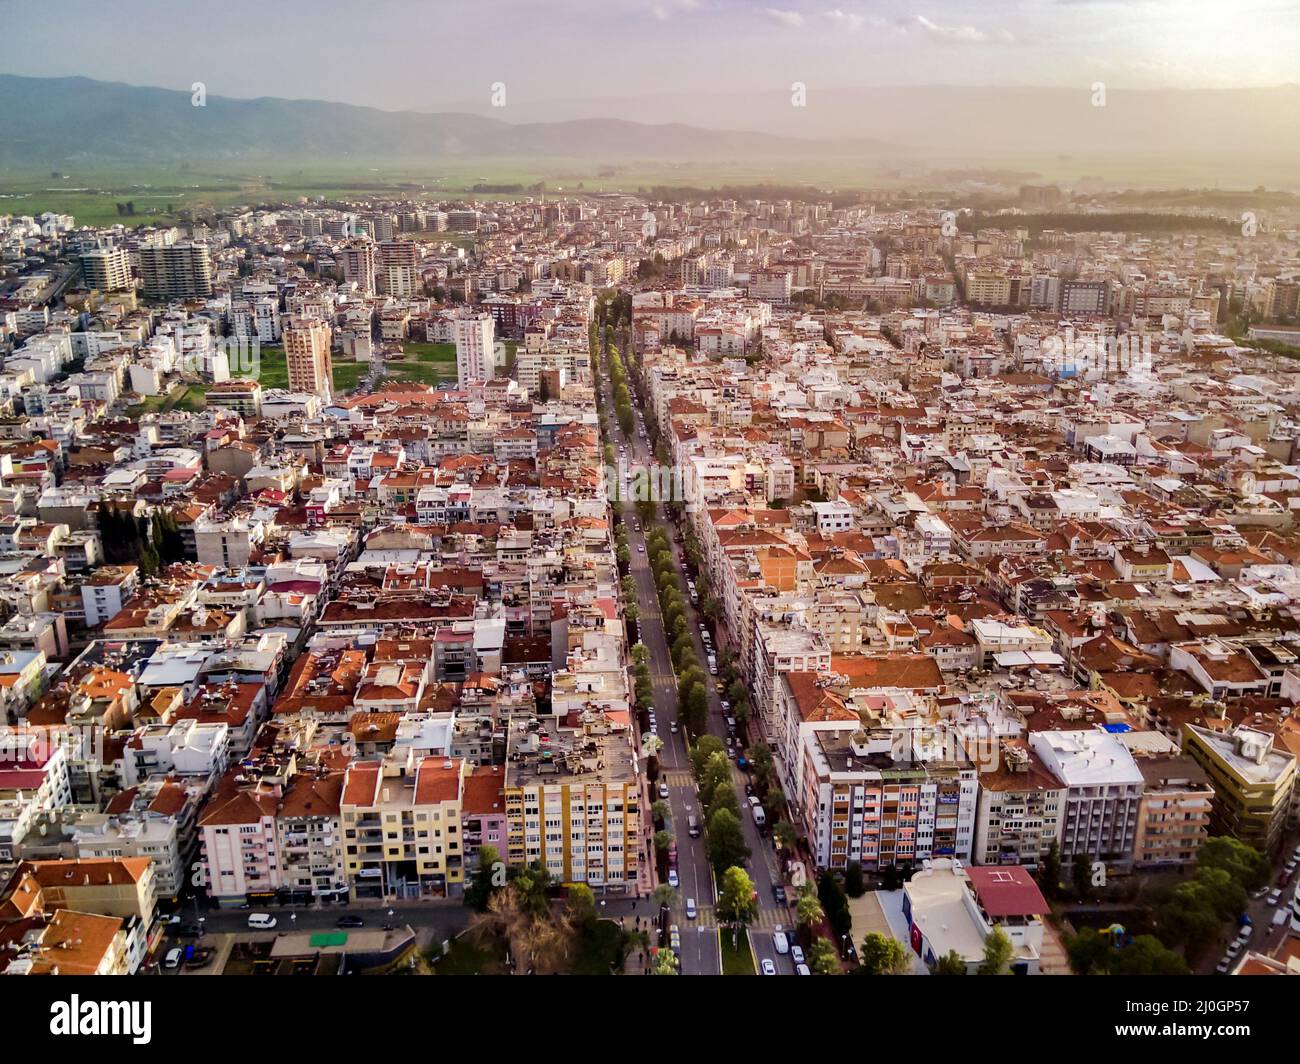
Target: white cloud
[[964, 34], [665, 10], [845, 18], [790, 19], [851, 20]]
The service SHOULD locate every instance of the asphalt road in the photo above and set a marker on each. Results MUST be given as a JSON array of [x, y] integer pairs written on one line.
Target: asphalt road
[[445, 918], [699, 937]]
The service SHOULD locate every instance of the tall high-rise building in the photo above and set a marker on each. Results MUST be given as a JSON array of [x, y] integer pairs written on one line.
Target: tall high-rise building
[[474, 354], [307, 351], [359, 265], [176, 271], [106, 269], [396, 270]]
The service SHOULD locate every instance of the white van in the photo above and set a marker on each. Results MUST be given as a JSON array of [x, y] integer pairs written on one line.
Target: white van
[[781, 943], [261, 921], [760, 818]]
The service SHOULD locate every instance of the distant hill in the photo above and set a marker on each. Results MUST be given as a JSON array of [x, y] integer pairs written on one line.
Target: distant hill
[[977, 119], [52, 121]]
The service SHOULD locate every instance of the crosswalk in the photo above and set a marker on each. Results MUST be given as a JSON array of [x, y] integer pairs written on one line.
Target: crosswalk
[[766, 920], [770, 919]]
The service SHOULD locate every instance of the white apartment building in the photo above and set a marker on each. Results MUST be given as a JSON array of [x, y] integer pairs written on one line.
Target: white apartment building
[[1104, 789], [475, 360]]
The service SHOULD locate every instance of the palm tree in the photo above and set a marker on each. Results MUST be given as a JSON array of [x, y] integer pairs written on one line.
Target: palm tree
[[808, 907], [664, 895]]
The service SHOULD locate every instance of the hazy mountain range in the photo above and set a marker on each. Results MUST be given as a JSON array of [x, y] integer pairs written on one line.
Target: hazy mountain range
[[58, 120], [977, 121], [1237, 137]]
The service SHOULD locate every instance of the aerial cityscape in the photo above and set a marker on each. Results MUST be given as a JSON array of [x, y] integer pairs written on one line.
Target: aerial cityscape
[[527, 534]]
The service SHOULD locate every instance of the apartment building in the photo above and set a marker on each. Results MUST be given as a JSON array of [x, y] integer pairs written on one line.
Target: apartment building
[[573, 797], [358, 258], [310, 362], [310, 837], [1253, 780], [106, 269], [1103, 793], [855, 801], [400, 822], [1020, 809], [1174, 815], [475, 359], [175, 271]]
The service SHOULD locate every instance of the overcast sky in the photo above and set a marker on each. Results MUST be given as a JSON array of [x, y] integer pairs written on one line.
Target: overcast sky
[[427, 54]]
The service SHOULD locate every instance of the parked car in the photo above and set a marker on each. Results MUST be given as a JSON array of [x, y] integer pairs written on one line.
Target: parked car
[[778, 894], [796, 954], [768, 967], [802, 969], [173, 958], [1222, 967], [191, 930], [1274, 896], [200, 957], [673, 880], [663, 790]]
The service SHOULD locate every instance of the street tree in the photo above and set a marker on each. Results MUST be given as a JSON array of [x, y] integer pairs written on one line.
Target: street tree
[[736, 903], [883, 955], [725, 842]]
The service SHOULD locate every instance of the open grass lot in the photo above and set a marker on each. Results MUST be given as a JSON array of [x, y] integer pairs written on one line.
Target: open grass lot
[[737, 957], [347, 375], [429, 352], [183, 397], [273, 370]]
